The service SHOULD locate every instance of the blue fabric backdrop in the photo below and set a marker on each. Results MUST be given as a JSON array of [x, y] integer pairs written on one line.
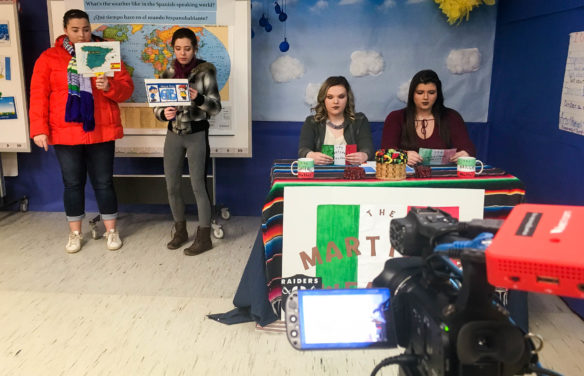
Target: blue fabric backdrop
[[531, 46]]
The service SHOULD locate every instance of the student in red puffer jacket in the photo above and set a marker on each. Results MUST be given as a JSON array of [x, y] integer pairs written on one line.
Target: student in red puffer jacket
[[80, 117]]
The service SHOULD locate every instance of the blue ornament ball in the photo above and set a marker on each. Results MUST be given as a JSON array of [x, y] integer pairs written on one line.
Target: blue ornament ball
[[252, 33], [283, 17], [268, 27], [263, 21], [284, 46], [277, 8]]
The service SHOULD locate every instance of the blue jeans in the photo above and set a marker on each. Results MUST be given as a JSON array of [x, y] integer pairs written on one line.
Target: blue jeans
[[77, 161]]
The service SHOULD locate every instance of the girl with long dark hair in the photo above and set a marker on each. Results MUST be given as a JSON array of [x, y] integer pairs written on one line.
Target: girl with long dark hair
[[426, 123]]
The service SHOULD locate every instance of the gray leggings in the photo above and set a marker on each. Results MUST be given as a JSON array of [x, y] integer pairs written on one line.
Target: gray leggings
[[195, 146]]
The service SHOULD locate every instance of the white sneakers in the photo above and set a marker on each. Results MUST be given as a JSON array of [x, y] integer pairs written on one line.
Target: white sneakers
[[113, 240], [74, 243]]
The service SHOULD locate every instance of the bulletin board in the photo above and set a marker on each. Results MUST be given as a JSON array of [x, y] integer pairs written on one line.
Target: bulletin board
[[14, 136], [230, 132]]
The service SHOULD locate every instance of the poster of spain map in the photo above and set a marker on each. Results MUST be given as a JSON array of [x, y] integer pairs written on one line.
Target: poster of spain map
[[96, 58]]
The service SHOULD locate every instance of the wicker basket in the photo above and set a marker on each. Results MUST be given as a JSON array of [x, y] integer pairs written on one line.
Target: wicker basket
[[390, 171]]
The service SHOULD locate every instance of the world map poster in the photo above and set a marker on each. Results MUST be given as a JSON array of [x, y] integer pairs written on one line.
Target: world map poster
[[146, 51]]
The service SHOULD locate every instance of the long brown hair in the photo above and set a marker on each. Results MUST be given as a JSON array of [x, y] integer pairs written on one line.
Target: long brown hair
[[320, 113], [408, 138]]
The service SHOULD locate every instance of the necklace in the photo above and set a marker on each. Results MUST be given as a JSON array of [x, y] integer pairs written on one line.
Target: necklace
[[334, 126], [423, 124]]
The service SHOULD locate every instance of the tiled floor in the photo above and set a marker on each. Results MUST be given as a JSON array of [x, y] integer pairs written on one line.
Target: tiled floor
[[141, 310]]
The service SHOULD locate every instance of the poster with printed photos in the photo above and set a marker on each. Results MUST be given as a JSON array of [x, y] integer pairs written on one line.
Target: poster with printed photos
[[14, 131], [4, 33]]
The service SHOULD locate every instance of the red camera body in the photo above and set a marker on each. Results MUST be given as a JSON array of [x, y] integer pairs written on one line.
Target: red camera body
[[539, 248]]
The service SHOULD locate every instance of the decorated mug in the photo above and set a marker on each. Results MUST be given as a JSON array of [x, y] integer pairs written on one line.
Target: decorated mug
[[305, 168], [466, 167]]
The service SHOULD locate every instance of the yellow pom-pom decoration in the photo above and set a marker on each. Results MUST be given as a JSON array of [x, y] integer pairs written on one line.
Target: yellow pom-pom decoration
[[456, 10]]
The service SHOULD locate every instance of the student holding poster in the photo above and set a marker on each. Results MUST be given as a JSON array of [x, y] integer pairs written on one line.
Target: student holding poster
[[80, 117], [188, 134], [426, 123]]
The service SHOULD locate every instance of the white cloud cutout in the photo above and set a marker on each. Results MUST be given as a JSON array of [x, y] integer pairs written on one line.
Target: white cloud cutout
[[365, 63], [311, 94], [386, 5], [350, 2], [286, 68], [402, 92], [320, 5], [464, 61]]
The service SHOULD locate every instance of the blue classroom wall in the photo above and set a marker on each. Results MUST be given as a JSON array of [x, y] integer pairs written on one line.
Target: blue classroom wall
[[531, 46]]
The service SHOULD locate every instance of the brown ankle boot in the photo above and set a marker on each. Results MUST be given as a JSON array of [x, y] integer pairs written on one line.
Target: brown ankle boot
[[180, 235], [202, 242]]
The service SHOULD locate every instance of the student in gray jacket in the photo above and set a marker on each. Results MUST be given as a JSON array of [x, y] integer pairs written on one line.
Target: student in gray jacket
[[335, 123], [188, 134]]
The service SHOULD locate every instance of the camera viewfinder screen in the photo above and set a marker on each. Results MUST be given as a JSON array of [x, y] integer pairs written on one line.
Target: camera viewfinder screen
[[351, 318]]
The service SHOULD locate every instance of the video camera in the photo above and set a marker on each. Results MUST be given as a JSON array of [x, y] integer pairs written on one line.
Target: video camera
[[450, 321]]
